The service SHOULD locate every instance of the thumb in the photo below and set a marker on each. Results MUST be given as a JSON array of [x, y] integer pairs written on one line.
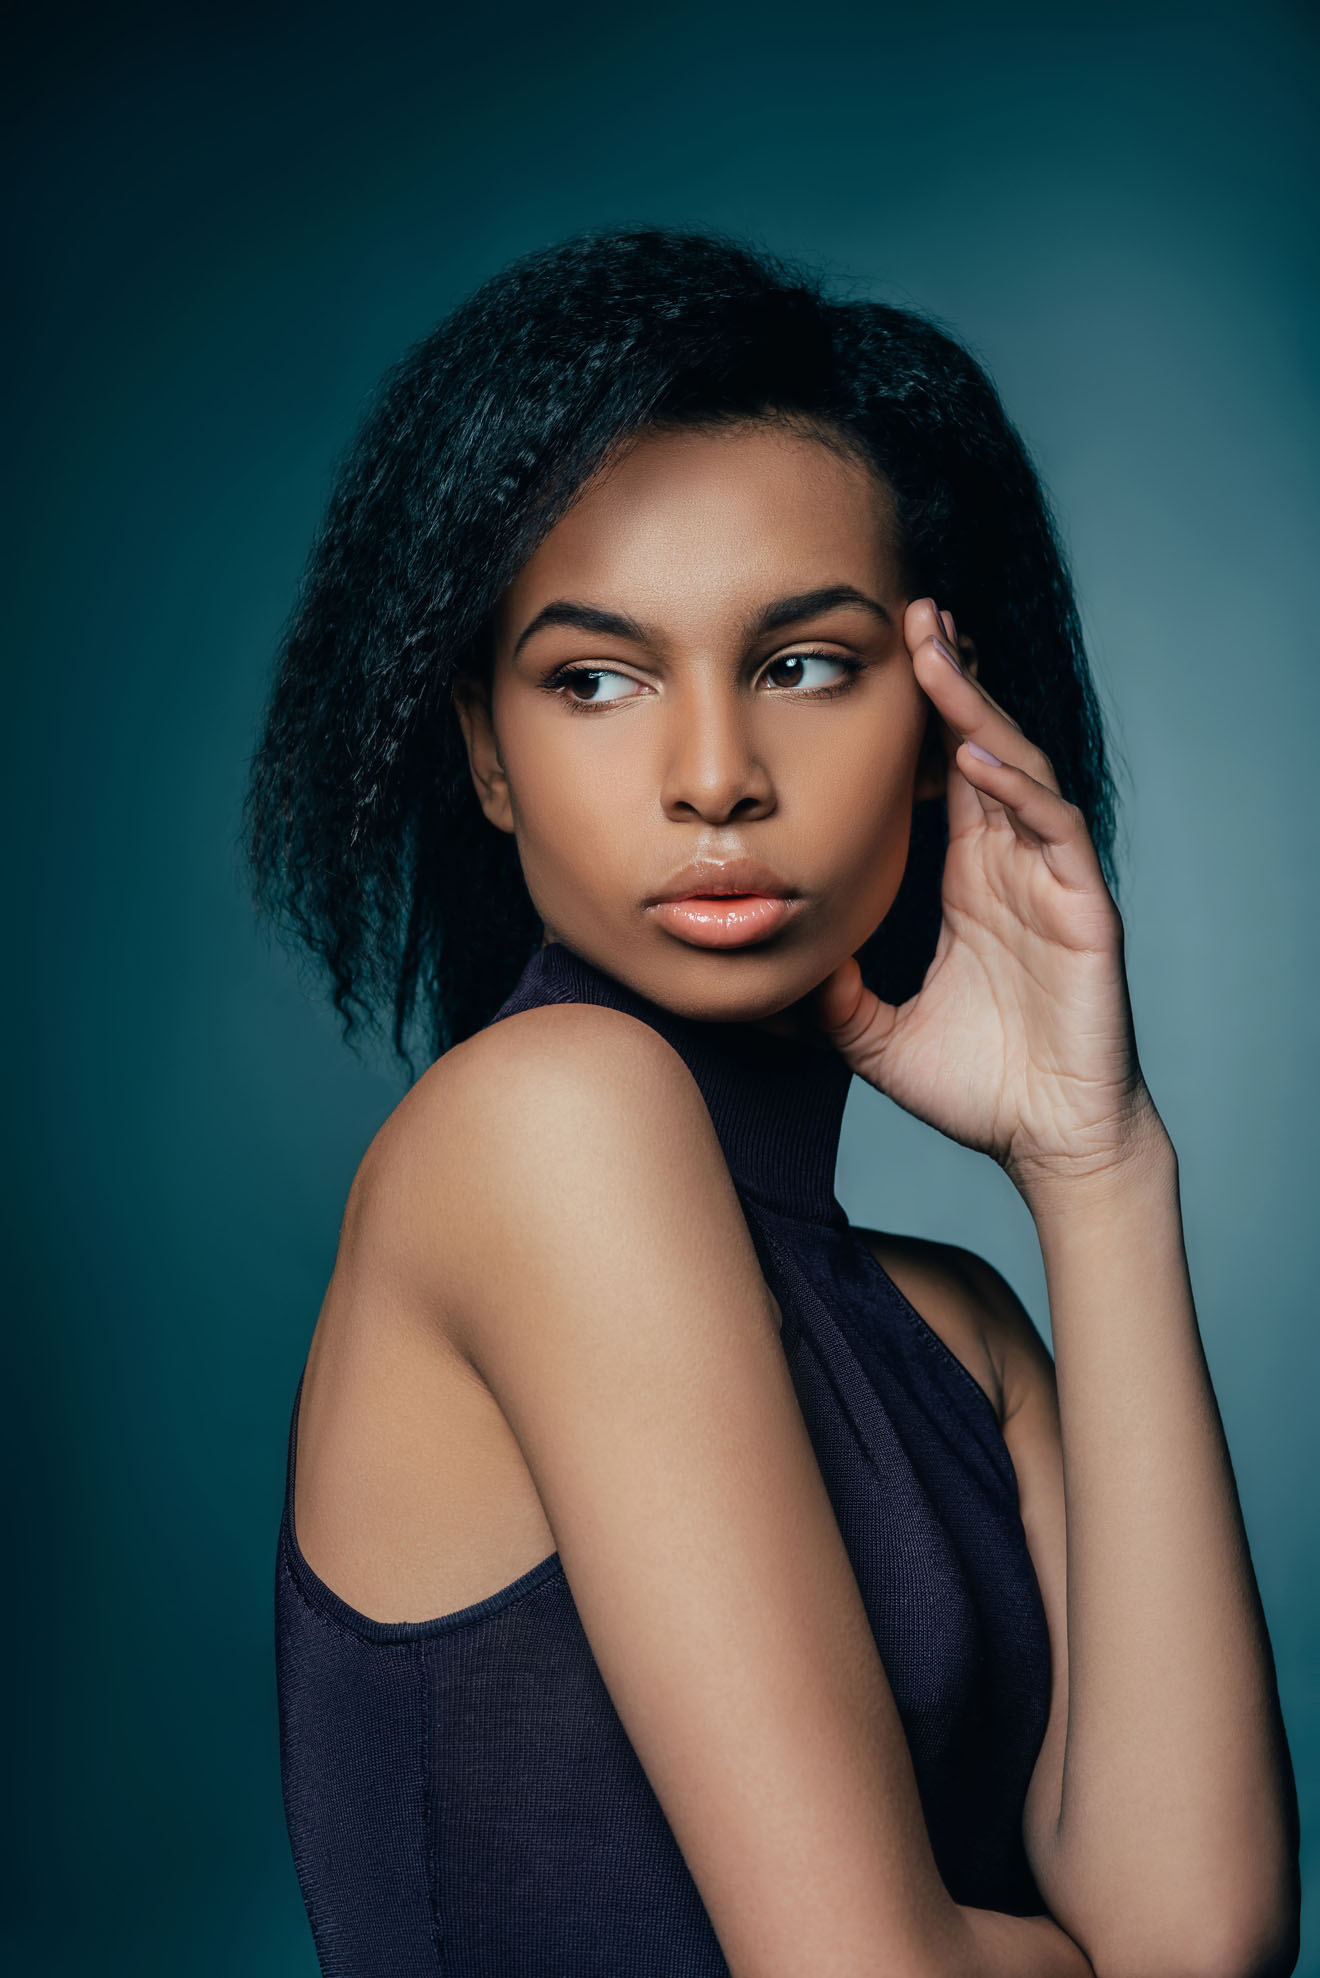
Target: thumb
[[853, 1017]]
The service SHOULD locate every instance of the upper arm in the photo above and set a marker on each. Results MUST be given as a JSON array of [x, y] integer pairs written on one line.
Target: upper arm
[[981, 1318], [596, 1269]]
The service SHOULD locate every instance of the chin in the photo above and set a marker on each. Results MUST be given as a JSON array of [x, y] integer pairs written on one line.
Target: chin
[[742, 985], [745, 984]]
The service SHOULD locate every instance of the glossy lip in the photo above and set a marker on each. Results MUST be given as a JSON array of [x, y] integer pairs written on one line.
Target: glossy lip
[[735, 922], [733, 904], [709, 879]]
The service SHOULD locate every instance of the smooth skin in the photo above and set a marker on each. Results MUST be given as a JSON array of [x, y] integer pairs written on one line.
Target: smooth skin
[[547, 1328]]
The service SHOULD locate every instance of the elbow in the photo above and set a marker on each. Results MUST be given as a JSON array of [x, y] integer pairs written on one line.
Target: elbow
[[1260, 1954], [1256, 1947], [1261, 1938], [1230, 1919], [1270, 1949]]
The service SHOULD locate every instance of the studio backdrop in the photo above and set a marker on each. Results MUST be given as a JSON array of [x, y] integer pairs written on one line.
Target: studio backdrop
[[229, 220]]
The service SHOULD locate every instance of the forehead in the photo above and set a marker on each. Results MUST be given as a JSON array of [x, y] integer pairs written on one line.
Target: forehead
[[699, 518]]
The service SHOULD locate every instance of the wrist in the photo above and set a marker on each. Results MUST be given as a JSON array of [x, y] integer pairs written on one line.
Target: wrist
[[1141, 1157]]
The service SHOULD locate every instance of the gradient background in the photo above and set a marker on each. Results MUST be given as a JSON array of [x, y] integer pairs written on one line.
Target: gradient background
[[228, 224]]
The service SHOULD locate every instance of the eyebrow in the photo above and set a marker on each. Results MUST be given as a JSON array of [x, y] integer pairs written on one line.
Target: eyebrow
[[783, 611]]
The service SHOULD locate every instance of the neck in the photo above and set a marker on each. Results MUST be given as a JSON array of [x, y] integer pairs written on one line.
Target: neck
[[775, 1091], [797, 1021]]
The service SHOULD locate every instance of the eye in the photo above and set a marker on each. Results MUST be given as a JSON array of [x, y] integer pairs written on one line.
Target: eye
[[592, 686], [811, 672]]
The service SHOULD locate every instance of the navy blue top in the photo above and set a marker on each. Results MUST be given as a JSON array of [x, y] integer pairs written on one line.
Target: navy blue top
[[461, 1795]]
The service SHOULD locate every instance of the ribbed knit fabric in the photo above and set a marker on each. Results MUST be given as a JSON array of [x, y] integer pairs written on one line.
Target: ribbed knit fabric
[[462, 1798]]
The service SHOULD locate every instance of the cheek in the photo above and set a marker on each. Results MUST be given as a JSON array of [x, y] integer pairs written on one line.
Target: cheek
[[864, 782], [866, 808], [569, 798]]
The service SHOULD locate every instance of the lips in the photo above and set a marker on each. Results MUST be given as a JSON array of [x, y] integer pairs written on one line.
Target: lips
[[723, 879], [731, 905]]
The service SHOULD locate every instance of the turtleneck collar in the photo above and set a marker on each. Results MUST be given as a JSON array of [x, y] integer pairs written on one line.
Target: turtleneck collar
[[776, 1102]]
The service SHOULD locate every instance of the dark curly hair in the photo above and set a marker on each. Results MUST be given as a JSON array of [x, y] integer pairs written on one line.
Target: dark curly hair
[[361, 828]]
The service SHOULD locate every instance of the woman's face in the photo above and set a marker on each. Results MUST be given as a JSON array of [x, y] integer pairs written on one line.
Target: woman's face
[[700, 682]]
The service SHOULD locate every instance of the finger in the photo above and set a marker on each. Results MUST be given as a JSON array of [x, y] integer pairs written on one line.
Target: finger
[[922, 620], [973, 714], [928, 621], [966, 804], [1038, 814], [971, 711], [968, 808], [965, 650]]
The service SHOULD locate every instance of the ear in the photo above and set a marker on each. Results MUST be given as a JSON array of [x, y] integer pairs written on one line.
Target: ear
[[472, 706], [933, 764]]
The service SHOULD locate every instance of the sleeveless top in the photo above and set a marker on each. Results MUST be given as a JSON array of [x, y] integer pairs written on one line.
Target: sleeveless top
[[461, 1796]]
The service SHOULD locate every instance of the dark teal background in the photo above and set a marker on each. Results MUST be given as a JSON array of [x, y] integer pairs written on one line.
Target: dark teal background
[[228, 224]]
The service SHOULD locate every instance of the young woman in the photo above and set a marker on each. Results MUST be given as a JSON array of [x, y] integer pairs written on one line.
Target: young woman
[[686, 712]]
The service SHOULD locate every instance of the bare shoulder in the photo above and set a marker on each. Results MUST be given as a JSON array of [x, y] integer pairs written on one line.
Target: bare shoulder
[[565, 1053], [524, 1071], [525, 1124], [603, 1284], [973, 1309], [559, 1185], [527, 1172]]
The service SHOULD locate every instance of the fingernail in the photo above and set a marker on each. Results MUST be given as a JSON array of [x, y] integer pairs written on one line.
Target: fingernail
[[983, 755], [946, 620], [948, 654]]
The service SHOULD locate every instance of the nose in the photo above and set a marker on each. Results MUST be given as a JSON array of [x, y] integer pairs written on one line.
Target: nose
[[713, 769]]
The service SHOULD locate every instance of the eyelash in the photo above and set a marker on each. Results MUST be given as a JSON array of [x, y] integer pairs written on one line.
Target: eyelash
[[852, 667]]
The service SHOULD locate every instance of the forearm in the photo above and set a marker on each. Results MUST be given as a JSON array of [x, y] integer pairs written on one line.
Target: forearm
[[1003, 1946], [1172, 1849]]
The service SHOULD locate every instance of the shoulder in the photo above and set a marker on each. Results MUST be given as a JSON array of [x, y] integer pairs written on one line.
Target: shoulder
[[523, 1087], [559, 1117], [974, 1310]]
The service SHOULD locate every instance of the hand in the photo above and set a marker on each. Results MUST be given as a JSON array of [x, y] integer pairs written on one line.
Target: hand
[[1019, 1042]]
